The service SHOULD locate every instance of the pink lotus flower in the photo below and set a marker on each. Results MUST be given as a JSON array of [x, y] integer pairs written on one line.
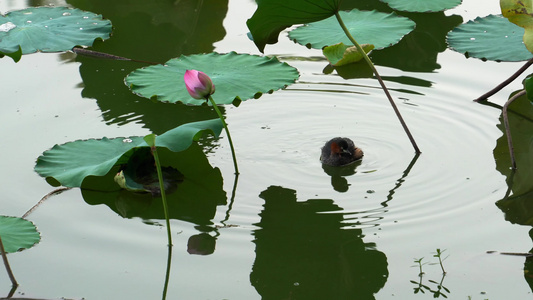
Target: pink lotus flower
[[198, 84]]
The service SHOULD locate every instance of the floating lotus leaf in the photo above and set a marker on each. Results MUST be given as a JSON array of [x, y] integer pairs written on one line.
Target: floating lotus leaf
[[70, 163], [49, 29], [272, 16], [492, 37], [236, 77], [422, 5], [340, 54], [520, 12], [17, 234], [367, 27]]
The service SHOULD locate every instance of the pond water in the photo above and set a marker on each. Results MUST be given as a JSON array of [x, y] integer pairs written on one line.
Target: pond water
[[287, 229]]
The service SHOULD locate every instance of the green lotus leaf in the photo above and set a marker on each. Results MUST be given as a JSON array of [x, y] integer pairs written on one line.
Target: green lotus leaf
[[422, 5], [49, 29], [272, 16], [490, 38], [340, 54], [71, 162], [367, 27], [17, 234], [520, 12], [236, 77]]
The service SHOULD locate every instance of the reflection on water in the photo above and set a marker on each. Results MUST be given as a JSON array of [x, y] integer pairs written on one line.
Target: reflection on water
[[194, 199], [302, 252], [307, 249], [517, 204], [150, 31], [518, 201], [437, 289]]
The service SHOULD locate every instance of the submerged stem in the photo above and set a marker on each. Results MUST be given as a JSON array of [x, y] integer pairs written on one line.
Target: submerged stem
[[227, 132], [367, 59]]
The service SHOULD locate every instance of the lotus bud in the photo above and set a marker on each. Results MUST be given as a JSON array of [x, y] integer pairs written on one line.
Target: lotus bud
[[198, 84]]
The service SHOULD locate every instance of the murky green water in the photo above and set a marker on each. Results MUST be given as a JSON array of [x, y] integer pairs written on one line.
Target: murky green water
[[289, 230]]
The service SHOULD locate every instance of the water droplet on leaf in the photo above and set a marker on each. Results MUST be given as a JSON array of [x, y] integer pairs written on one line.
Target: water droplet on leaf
[[7, 26]]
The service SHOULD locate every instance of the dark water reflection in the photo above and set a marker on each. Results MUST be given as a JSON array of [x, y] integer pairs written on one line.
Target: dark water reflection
[[150, 31], [194, 200], [517, 204], [302, 252]]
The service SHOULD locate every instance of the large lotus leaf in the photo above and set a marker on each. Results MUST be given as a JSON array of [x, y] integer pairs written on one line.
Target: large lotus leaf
[[50, 29], [367, 27], [71, 162], [492, 37], [236, 77], [17, 234], [422, 5], [520, 12], [272, 16]]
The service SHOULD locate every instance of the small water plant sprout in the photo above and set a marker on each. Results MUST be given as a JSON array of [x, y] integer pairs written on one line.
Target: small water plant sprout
[[438, 254], [419, 264]]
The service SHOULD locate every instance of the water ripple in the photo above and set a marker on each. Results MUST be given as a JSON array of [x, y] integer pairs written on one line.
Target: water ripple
[[279, 140]]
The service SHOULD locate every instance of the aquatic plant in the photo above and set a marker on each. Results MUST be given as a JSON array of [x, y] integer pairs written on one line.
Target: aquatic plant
[[272, 16], [255, 74], [200, 86], [506, 37], [438, 254], [49, 29], [70, 163], [419, 265], [16, 234]]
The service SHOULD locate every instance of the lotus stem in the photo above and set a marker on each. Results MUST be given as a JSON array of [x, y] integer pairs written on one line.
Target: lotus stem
[[367, 59], [52, 193], [508, 128], [167, 275], [150, 140], [506, 82], [6, 263], [227, 132]]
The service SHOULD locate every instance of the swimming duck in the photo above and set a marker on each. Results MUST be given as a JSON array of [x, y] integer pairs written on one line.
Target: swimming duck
[[339, 152]]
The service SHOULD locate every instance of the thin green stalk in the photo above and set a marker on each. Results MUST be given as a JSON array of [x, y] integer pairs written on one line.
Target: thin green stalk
[[360, 49], [227, 132], [6, 263], [439, 256], [150, 140], [162, 188]]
